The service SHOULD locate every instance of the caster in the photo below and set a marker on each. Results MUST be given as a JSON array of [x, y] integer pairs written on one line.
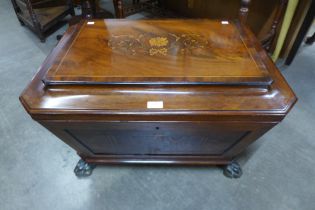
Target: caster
[[83, 169], [233, 170]]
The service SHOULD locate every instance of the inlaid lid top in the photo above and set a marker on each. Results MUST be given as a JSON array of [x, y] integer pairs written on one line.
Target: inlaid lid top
[[159, 52]]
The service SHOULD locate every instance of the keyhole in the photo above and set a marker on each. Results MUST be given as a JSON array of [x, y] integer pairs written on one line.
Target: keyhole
[[157, 128]]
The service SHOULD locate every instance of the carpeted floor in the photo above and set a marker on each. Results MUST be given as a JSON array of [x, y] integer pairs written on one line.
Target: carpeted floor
[[36, 169]]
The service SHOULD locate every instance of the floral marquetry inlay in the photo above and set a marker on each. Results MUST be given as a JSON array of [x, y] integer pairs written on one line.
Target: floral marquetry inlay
[[163, 45], [158, 42]]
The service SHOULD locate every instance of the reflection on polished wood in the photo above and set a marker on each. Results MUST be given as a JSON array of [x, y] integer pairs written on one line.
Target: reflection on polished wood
[[153, 51], [218, 88]]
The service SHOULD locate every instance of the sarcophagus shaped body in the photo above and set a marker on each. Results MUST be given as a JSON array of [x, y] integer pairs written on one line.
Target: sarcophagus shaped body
[[158, 91]]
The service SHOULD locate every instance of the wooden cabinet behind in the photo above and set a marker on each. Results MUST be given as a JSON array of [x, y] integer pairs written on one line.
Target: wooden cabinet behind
[[260, 18]]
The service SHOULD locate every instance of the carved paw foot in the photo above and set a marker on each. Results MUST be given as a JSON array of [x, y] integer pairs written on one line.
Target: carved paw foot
[[83, 169], [233, 170]]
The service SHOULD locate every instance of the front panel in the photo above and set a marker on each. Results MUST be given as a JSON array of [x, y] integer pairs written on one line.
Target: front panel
[[155, 138]]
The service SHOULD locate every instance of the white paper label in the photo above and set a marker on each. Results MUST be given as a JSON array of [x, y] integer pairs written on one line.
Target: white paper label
[[224, 22], [155, 105], [90, 23]]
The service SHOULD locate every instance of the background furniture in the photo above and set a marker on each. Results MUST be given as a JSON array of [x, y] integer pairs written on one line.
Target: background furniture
[[91, 9], [42, 15], [308, 20], [122, 10], [285, 26]]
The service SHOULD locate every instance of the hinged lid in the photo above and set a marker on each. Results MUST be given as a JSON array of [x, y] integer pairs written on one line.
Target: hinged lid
[[159, 52]]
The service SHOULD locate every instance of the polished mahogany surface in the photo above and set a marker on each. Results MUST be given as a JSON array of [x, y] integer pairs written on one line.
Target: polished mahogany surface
[[159, 51], [40, 98], [214, 95]]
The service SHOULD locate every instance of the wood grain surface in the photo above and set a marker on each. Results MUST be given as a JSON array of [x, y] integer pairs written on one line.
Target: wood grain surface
[[159, 51]]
